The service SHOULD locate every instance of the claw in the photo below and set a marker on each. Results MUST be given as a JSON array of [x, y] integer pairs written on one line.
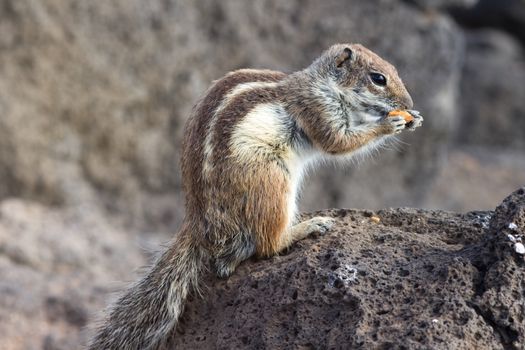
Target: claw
[[417, 122]]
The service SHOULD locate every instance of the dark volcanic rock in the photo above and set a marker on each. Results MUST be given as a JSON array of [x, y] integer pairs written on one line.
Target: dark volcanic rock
[[414, 280], [501, 294]]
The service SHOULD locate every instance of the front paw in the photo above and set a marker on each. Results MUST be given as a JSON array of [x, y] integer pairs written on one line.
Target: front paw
[[417, 122], [393, 125], [319, 224]]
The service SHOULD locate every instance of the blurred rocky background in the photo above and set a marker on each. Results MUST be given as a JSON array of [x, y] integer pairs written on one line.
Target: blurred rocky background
[[94, 96]]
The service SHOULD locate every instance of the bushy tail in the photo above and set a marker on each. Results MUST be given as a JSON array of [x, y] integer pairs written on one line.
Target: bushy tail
[[148, 311]]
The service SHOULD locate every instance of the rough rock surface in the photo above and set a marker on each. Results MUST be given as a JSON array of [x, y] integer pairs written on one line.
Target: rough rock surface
[[415, 280], [501, 292]]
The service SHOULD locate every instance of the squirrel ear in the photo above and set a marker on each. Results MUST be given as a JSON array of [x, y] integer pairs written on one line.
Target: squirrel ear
[[344, 56]]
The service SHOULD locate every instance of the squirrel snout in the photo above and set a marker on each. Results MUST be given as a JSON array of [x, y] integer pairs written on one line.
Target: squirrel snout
[[406, 102]]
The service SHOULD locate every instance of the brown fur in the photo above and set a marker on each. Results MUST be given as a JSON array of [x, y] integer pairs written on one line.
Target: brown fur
[[244, 147], [192, 147]]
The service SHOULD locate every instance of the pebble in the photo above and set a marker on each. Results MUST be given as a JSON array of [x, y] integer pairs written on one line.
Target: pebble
[[375, 219], [519, 248], [513, 226]]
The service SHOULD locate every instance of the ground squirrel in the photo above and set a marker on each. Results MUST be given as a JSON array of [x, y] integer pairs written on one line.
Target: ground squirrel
[[246, 146]]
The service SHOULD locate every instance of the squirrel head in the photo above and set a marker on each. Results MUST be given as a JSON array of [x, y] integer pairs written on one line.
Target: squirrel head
[[369, 83]]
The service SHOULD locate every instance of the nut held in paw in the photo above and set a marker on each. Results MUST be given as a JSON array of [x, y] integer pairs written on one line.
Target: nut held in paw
[[399, 113]]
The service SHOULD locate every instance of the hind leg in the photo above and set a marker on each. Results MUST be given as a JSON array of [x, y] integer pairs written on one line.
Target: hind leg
[[243, 247], [235, 251]]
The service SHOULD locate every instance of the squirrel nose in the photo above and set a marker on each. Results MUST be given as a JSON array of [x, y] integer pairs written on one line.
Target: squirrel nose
[[406, 102]]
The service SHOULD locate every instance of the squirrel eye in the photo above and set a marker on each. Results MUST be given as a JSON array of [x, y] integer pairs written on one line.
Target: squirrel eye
[[378, 79]]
